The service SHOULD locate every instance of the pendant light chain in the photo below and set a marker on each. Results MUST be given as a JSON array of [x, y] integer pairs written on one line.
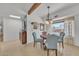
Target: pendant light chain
[[48, 12]]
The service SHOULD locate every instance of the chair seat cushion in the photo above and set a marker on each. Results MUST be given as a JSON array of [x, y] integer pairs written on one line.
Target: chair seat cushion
[[38, 40], [60, 40], [50, 46]]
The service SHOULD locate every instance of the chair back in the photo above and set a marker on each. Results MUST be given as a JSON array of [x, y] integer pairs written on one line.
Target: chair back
[[62, 34], [52, 40], [34, 36]]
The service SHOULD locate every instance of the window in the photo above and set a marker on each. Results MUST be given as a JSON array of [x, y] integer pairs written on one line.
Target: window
[[57, 27]]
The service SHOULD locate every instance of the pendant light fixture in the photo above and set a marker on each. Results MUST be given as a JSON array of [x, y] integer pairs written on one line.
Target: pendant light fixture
[[48, 20]]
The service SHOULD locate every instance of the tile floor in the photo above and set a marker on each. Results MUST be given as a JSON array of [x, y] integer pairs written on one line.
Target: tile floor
[[15, 48]]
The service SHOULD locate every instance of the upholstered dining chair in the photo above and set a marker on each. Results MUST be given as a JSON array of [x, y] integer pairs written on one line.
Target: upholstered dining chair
[[51, 43], [62, 34], [37, 40]]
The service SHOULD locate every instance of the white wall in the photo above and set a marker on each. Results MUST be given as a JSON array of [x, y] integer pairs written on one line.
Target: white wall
[[11, 29], [31, 18], [77, 30], [29, 30]]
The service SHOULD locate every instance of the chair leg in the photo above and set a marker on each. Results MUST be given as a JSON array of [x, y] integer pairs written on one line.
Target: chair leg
[[56, 52], [34, 44], [47, 52], [62, 45], [41, 44]]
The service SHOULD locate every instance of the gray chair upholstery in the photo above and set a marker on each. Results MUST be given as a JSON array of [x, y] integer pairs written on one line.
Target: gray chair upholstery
[[62, 34], [51, 43], [36, 40]]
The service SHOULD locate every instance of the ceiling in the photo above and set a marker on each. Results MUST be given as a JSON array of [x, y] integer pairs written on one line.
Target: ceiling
[[42, 11], [18, 9], [21, 9]]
